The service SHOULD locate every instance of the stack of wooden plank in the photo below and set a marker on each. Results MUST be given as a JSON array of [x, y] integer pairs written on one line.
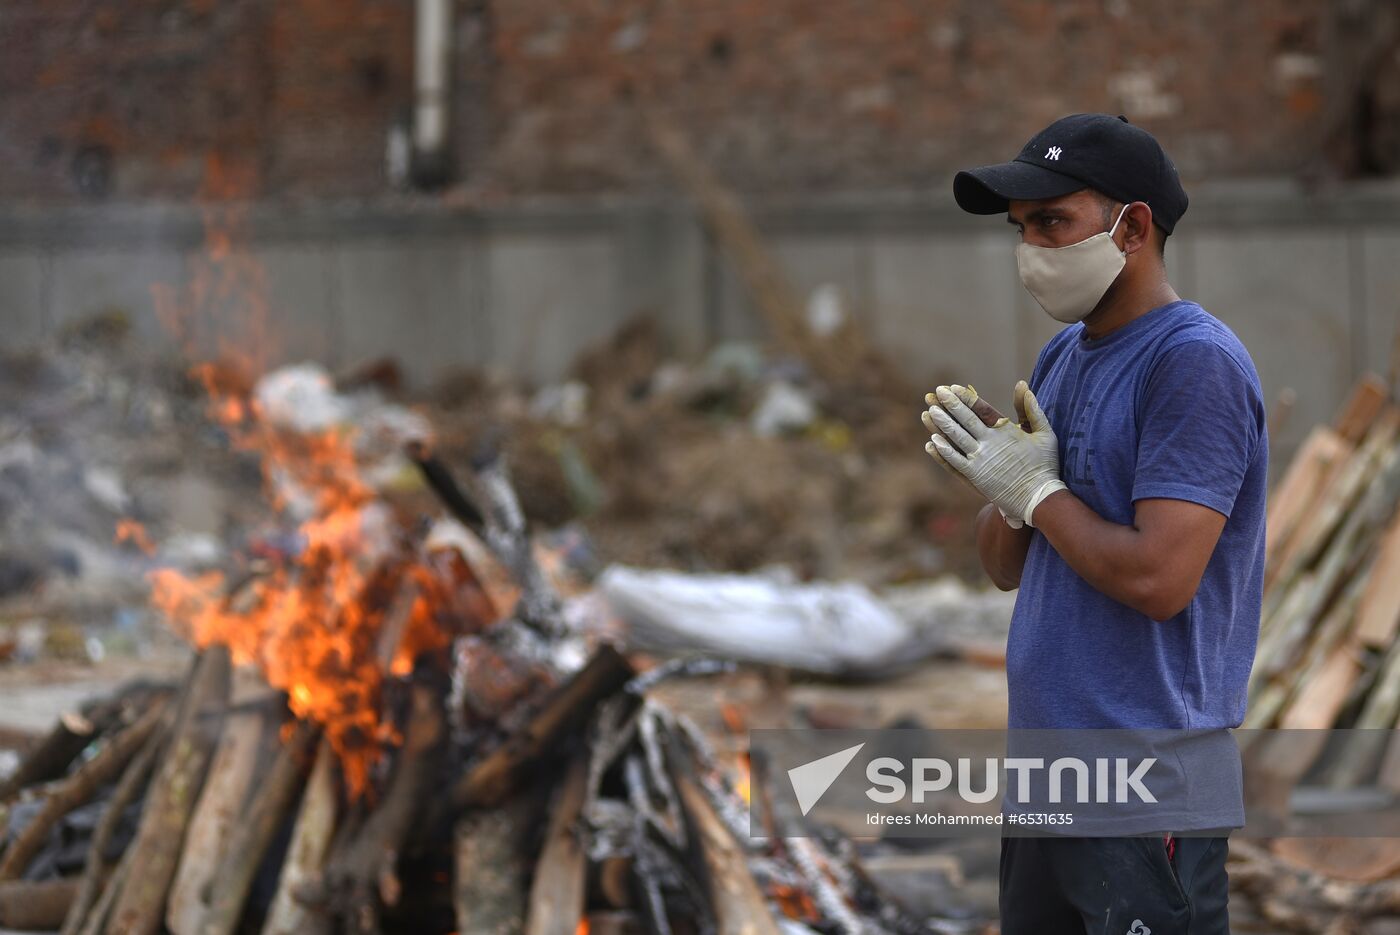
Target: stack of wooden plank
[[1327, 654]]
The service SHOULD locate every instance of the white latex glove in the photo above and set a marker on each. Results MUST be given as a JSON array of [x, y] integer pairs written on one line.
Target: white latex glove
[[1011, 467], [931, 399]]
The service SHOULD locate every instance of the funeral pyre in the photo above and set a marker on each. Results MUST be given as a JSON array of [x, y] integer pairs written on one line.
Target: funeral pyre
[[388, 725]]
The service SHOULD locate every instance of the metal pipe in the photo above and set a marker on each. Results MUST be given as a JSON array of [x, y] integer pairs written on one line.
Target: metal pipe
[[431, 71]]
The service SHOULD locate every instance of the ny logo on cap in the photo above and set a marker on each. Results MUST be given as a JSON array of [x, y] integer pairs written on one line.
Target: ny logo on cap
[[1053, 152]]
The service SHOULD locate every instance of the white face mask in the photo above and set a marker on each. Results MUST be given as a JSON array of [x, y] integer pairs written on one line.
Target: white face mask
[[1069, 281]]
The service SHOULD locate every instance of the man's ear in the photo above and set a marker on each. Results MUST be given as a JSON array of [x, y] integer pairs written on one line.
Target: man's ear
[[1136, 227]]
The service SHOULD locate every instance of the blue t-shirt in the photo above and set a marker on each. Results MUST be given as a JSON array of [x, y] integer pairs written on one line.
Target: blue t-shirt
[[1168, 405]]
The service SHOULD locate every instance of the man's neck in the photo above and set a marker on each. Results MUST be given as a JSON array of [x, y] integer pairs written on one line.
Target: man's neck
[[1121, 306]]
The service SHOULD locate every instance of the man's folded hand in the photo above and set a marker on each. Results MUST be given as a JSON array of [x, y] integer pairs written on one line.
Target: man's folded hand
[[1015, 466]]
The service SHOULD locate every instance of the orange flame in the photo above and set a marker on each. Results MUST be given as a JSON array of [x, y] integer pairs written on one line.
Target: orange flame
[[795, 903], [736, 721], [129, 530], [743, 783], [315, 622]]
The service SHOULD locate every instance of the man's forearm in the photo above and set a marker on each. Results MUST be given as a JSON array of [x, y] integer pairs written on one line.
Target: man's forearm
[[1118, 561], [1001, 548]]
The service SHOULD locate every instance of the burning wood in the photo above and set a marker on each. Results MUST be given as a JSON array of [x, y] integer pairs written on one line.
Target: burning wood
[[77, 789], [496, 775], [557, 895], [291, 913], [140, 906], [216, 815], [616, 835], [429, 699]]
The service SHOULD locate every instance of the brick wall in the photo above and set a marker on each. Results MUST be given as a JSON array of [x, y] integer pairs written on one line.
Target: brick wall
[[132, 97], [129, 97]]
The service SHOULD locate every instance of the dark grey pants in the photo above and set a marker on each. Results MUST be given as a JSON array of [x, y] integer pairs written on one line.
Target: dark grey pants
[[1114, 886]]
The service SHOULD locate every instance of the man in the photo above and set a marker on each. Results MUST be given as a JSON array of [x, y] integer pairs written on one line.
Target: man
[[1127, 506]]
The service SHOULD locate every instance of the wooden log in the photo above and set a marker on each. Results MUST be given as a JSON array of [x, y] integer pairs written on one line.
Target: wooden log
[[615, 881], [843, 358], [1300, 899], [438, 476], [396, 619], [98, 867], [1368, 397], [738, 903], [615, 922], [557, 893], [1345, 482], [1300, 487], [220, 805], [36, 907], [140, 906], [1273, 632], [1366, 746], [492, 779], [78, 789], [774, 295], [539, 608], [306, 855], [491, 866], [1324, 690], [251, 838], [365, 873], [51, 757], [1383, 704], [1379, 611], [1281, 636], [96, 922], [1331, 665], [1363, 860]]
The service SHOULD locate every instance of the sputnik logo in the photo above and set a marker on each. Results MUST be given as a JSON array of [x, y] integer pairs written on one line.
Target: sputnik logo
[[811, 780]]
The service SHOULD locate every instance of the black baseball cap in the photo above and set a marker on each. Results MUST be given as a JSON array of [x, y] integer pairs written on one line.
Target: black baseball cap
[[1097, 151]]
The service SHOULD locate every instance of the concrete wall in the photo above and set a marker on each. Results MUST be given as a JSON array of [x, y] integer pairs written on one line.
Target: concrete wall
[[1310, 283]]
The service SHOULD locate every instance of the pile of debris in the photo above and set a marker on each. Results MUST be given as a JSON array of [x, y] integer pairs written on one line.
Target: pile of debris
[[90, 435], [739, 460], [734, 463]]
